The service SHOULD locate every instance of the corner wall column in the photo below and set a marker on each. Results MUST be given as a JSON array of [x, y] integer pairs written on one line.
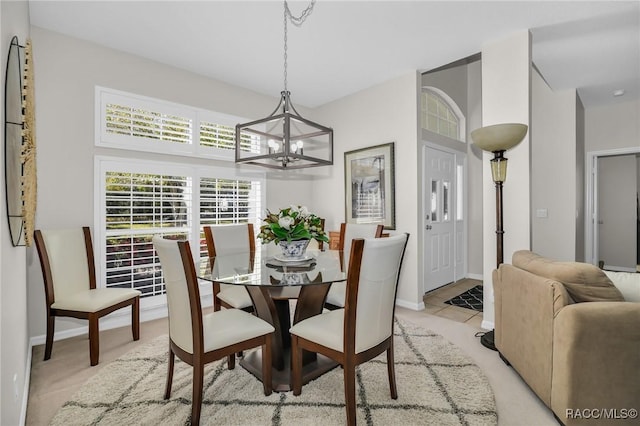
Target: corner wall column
[[506, 98]]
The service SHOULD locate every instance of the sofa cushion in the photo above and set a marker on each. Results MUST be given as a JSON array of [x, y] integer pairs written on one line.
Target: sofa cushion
[[583, 281], [628, 283]]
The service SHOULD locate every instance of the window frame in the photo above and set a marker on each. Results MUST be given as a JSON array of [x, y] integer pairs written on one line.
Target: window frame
[[104, 164], [193, 149], [183, 159], [453, 108]]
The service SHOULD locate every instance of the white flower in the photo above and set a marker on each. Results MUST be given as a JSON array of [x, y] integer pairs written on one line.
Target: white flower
[[304, 212], [285, 222]]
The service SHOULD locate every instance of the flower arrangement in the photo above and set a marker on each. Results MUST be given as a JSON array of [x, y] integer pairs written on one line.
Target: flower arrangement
[[292, 224]]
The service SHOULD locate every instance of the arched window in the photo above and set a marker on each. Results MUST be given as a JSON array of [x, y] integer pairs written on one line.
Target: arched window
[[440, 114]]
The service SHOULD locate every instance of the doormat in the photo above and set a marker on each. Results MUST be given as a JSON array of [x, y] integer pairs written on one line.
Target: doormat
[[470, 299]]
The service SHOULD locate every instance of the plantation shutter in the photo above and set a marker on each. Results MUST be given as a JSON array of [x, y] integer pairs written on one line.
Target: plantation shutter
[[139, 206]]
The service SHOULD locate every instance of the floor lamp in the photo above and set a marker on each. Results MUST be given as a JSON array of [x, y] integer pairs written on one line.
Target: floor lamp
[[498, 139]]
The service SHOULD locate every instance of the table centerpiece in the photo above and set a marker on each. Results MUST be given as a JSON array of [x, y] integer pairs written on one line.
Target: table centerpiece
[[292, 228]]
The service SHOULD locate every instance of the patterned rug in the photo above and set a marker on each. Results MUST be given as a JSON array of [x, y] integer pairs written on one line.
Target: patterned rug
[[437, 385], [470, 299]]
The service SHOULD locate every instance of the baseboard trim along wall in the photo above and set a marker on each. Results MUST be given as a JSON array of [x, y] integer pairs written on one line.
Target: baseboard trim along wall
[[487, 325], [25, 391], [410, 305]]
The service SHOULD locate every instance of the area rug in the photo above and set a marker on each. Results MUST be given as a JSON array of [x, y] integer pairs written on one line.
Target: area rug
[[437, 385], [470, 299]]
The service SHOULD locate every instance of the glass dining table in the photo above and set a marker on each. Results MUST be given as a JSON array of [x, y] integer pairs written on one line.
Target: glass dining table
[[272, 283]]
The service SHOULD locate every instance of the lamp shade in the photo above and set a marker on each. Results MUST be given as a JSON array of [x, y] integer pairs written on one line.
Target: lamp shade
[[499, 169], [499, 137]]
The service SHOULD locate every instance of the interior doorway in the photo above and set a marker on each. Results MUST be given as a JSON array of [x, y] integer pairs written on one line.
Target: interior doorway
[[613, 231]]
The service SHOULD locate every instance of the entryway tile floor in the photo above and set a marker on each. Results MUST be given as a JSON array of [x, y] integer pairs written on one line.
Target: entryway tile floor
[[434, 302]]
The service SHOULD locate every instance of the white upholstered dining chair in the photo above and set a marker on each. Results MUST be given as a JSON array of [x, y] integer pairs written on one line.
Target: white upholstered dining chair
[[68, 271], [199, 339], [226, 240], [364, 328], [349, 231]]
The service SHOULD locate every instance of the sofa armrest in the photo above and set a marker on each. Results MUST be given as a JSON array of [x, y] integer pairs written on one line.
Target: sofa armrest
[[596, 358], [525, 307]]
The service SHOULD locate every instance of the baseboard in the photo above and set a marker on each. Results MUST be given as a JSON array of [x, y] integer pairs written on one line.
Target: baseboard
[[618, 268], [116, 319], [410, 305], [487, 325], [478, 277], [121, 318], [25, 391]]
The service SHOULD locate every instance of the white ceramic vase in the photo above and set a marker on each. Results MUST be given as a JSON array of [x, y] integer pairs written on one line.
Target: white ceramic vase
[[294, 249]]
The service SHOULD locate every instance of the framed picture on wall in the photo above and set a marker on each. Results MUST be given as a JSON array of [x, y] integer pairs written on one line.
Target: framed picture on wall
[[369, 178]]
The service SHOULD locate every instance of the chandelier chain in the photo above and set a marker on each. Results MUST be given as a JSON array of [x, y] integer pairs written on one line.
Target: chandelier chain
[[297, 21]]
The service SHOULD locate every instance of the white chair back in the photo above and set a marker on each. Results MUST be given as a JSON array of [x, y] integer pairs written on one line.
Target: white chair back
[[178, 302], [354, 230], [376, 297], [231, 239], [68, 261]]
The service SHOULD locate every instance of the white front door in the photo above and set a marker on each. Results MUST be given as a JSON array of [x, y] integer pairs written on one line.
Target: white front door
[[439, 218]]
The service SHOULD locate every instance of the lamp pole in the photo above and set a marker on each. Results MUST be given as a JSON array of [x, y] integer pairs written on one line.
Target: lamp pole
[[499, 158], [497, 139]]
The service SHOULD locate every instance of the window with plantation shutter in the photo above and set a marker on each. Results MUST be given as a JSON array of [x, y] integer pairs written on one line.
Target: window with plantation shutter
[[137, 198], [140, 200], [217, 136], [139, 123], [228, 201], [138, 206]]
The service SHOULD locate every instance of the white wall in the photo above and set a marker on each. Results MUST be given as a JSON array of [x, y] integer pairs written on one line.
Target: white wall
[[67, 71], [553, 172], [506, 88], [612, 126], [475, 183], [14, 339], [384, 113]]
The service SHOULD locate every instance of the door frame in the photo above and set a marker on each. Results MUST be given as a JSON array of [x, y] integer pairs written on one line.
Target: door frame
[[591, 199], [460, 158]]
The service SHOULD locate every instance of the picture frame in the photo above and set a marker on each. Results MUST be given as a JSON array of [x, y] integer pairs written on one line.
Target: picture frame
[[369, 181]]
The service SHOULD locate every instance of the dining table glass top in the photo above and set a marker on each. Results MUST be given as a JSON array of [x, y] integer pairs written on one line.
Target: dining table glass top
[[265, 267]]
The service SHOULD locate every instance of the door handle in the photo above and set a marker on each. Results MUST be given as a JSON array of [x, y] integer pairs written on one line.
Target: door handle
[[428, 227]]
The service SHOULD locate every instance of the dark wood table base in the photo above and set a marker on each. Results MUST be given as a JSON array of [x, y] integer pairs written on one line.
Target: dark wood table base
[[271, 303], [281, 379]]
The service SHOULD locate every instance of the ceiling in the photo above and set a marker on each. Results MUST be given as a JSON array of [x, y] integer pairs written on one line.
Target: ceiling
[[347, 46]]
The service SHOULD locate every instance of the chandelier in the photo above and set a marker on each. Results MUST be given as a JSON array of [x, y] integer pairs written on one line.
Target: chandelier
[[284, 139]]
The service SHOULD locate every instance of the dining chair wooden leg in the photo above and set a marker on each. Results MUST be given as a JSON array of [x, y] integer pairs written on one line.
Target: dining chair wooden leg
[[51, 325], [135, 319], [350, 391], [391, 369], [296, 366], [94, 339], [266, 366], [196, 398], [231, 361], [167, 388]]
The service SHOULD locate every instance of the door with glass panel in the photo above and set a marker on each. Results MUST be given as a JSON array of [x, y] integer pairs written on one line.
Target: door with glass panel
[[440, 217]]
